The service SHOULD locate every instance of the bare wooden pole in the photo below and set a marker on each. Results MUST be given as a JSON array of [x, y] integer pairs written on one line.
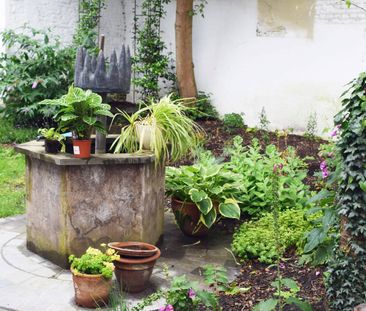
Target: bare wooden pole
[[100, 138]]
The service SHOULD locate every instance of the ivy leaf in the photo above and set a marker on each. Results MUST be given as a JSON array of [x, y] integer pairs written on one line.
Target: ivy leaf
[[362, 185], [197, 195]]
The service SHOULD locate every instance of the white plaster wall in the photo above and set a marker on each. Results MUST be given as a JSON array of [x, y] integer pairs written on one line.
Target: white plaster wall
[[291, 76], [2, 20]]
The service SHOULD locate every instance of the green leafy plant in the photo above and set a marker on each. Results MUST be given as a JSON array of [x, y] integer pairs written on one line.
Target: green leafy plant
[[169, 133], [255, 167], [9, 133], [78, 111], [94, 262], [264, 125], [202, 108], [51, 134], [233, 121], [286, 289], [311, 126], [255, 238], [346, 282], [206, 184], [149, 63], [37, 68]]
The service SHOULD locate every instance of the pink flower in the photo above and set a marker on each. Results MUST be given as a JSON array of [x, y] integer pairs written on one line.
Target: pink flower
[[324, 169], [277, 167], [167, 308], [335, 131], [323, 165], [191, 293], [34, 85], [317, 273]]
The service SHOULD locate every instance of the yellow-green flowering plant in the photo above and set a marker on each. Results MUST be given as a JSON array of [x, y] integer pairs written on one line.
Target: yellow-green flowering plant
[[95, 262]]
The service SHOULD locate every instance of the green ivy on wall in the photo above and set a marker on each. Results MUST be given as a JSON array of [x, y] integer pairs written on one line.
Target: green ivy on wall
[[346, 284]]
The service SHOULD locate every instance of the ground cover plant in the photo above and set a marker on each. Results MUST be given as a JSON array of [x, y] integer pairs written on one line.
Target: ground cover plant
[[12, 194], [13, 134]]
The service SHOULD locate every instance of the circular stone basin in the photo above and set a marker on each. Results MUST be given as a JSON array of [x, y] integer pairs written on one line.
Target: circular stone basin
[[133, 249]]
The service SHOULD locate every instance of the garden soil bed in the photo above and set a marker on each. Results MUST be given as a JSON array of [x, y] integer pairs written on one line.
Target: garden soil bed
[[256, 276]]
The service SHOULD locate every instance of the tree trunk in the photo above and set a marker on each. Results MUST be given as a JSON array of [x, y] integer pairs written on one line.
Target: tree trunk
[[183, 37]]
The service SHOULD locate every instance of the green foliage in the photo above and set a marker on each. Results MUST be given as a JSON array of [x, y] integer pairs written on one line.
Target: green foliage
[[233, 121], [51, 134], [321, 240], [89, 17], [12, 188], [94, 262], [14, 134], [37, 67], [149, 63], [256, 238], [311, 126], [264, 124], [206, 183], [165, 128], [347, 272], [78, 111], [256, 169], [203, 109]]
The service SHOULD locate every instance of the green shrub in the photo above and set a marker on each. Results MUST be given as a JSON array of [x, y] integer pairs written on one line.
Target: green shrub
[[203, 109], [35, 67], [256, 167], [233, 121], [13, 134], [256, 238]]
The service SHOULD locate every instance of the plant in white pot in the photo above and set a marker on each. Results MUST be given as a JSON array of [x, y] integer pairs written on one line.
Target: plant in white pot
[[78, 112], [162, 127]]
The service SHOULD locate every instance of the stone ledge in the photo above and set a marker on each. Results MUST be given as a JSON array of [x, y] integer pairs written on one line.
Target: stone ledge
[[35, 149]]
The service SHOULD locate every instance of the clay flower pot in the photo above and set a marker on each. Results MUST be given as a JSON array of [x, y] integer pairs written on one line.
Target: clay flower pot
[[133, 249], [133, 274], [91, 291], [52, 146], [81, 148], [187, 216]]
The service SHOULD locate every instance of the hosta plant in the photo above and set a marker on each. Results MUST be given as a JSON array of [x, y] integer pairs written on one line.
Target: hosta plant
[[209, 185], [78, 111], [162, 127]]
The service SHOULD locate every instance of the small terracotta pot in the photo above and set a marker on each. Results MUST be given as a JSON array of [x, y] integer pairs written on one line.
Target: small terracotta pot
[[52, 146], [81, 148], [133, 274], [133, 249], [91, 291], [187, 216]]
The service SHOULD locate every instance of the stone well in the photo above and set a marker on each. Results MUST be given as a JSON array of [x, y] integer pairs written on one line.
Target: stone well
[[75, 203]]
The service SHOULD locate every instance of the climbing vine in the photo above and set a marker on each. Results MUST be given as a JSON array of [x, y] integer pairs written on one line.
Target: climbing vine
[[151, 66], [347, 272], [89, 18]]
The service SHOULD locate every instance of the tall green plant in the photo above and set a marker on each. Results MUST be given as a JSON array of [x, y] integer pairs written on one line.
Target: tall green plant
[[347, 272], [34, 67]]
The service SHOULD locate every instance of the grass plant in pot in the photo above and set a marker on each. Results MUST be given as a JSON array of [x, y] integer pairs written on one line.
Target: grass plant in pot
[[53, 140], [78, 112], [202, 194], [162, 127], [92, 276]]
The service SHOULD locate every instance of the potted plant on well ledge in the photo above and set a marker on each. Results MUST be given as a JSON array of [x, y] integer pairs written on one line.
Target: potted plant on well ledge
[[92, 276], [202, 193], [78, 112], [53, 140], [162, 127]]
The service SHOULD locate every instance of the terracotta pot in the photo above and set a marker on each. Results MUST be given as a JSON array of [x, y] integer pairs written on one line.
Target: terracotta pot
[[133, 274], [91, 291], [81, 148], [187, 216], [133, 249], [52, 146]]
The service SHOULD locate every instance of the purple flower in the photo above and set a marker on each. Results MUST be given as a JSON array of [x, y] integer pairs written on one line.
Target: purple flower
[[317, 273], [324, 169], [325, 173], [335, 131], [34, 85], [323, 165], [191, 293], [167, 308], [282, 265]]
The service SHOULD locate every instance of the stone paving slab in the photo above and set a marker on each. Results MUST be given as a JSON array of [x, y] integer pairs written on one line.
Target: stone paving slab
[[30, 283]]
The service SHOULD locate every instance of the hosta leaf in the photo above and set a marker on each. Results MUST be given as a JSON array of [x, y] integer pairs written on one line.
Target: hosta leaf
[[205, 205], [229, 209], [267, 305], [197, 195], [209, 219]]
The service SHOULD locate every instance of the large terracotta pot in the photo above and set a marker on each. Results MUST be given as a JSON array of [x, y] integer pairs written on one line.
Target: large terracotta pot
[[187, 216], [81, 148], [133, 249], [133, 274], [91, 291]]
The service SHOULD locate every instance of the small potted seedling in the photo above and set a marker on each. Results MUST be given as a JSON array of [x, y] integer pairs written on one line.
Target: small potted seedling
[[92, 276], [78, 112], [53, 140]]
